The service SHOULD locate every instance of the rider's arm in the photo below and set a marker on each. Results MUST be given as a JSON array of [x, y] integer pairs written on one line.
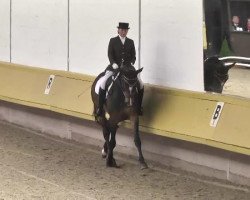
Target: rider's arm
[[111, 51], [133, 53]]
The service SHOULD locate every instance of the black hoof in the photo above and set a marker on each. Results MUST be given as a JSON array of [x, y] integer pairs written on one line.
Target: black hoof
[[112, 163]]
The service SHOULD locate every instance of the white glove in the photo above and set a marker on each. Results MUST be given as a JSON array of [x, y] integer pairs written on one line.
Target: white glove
[[115, 66]]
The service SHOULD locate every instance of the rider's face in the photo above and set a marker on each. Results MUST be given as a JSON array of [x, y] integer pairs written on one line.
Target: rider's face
[[236, 19], [122, 32]]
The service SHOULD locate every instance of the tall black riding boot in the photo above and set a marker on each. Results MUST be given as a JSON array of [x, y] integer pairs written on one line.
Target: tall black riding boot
[[140, 97], [102, 94]]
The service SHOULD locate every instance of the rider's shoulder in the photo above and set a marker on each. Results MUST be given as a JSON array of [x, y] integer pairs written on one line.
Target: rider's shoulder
[[130, 40], [114, 38]]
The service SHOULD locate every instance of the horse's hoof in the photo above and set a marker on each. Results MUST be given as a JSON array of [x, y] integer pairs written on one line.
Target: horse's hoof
[[112, 163], [116, 166], [104, 154], [144, 166]]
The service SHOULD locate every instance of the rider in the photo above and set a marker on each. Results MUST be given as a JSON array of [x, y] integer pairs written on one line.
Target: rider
[[121, 50]]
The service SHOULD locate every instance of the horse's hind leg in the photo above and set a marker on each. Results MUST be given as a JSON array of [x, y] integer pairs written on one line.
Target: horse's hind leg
[[106, 134], [110, 162], [137, 140]]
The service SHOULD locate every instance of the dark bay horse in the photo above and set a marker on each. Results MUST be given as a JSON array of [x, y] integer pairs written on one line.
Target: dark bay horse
[[121, 104]]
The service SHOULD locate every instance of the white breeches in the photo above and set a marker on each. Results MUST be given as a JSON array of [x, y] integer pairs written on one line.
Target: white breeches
[[101, 83]]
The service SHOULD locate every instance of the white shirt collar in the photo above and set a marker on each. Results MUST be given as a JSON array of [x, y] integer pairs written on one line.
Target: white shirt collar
[[122, 39]]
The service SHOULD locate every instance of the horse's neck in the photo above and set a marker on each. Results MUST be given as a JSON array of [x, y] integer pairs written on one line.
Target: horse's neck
[[114, 87]]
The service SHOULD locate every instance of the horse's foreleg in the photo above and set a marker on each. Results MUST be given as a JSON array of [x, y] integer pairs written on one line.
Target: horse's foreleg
[[137, 140], [110, 162], [106, 134]]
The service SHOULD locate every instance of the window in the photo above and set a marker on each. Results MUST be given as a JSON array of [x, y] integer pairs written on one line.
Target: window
[[240, 15]]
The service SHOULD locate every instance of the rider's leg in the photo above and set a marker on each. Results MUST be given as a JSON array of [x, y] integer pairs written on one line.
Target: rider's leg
[[102, 92], [140, 97]]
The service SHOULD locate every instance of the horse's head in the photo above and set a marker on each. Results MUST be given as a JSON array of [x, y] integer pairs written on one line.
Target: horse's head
[[215, 74], [130, 84]]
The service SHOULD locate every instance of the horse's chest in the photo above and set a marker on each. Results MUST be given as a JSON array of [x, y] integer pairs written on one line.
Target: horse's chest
[[129, 100]]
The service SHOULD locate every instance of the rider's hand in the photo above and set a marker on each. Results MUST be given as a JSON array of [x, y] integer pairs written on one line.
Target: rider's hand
[[115, 66], [116, 70]]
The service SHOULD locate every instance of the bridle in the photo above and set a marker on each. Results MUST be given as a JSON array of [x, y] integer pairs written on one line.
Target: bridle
[[131, 82], [222, 78]]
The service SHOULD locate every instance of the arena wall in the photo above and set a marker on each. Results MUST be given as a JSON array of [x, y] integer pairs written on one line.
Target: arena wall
[[175, 128], [173, 113]]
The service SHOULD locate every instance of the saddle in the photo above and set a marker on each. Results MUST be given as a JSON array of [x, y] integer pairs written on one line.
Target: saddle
[[119, 74], [110, 83]]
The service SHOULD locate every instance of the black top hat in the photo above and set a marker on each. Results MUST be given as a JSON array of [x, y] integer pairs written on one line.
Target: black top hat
[[123, 25]]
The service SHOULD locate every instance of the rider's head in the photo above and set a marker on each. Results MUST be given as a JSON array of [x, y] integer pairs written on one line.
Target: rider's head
[[236, 20], [123, 29]]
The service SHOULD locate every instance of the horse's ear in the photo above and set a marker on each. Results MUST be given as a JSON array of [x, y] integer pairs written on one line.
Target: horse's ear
[[229, 66], [139, 70]]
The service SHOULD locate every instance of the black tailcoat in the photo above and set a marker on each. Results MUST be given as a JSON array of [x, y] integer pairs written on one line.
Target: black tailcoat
[[117, 51]]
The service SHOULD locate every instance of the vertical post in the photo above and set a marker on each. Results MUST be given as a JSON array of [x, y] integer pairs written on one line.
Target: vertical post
[[139, 39], [10, 30], [68, 35]]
